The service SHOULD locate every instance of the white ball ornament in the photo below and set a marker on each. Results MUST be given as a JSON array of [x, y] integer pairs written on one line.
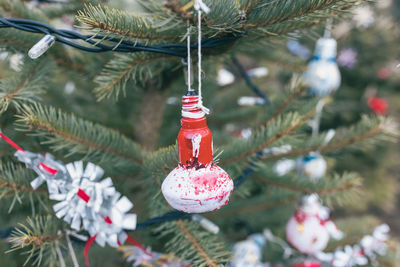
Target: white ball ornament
[[322, 75], [312, 166]]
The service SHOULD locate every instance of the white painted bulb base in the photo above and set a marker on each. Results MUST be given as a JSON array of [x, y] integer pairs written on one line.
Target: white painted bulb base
[[197, 190]]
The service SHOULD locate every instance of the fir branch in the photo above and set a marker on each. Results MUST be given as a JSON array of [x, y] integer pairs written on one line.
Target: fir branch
[[286, 101], [264, 14], [195, 244], [65, 131], [113, 22], [26, 85], [14, 183], [369, 129], [156, 167], [175, 7], [39, 234], [19, 9], [139, 67], [277, 199], [225, 16], [342, 189], [274, 131]]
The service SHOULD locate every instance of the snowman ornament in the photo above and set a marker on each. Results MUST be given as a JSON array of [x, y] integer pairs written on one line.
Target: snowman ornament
[[322, 75], [310, 229]]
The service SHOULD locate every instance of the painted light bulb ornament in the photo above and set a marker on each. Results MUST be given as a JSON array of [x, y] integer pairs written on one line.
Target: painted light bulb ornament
[[312, 166], [310, 229], [322, 75], [197, 185]]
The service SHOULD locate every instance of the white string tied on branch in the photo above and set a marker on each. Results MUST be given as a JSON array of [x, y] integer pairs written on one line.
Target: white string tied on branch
[[200, 6]]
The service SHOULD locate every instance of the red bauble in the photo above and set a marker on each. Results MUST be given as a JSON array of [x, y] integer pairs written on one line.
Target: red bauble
[[307, 264], [197, 184], [378, 105]]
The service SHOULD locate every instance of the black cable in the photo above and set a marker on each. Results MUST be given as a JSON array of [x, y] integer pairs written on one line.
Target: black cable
[[248, 80], [249, 170], [6, 232], [169, 216], [118, 45]]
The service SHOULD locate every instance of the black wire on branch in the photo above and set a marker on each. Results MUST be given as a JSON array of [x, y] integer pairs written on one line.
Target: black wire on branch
[[116, 44], [248, 80]]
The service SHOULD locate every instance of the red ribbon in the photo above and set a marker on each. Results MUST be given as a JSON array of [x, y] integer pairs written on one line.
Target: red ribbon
[[135, 243], [108, 220], [8, 140], [48, 169], [82, 194], [17, 147], [87, 248]]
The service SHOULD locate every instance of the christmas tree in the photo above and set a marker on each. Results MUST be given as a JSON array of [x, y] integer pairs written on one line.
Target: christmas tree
[[101, 91]]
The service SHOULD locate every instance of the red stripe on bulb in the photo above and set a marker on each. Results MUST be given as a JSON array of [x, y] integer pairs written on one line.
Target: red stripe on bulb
[[48, 169], [82, 194], [8, 140]]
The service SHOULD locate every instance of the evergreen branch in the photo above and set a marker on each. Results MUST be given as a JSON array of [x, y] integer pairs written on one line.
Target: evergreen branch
[[56, 11], [14, 182], [264, 14], [27, 84], [20, 10], [175, 7], [286, 101], [194, 242], [368, 129], [65, 131], [258, 204], [156, 167], [225, 16], [119, 70], [40, 235], [343, 188], [15, 40], [328, 185], [116, 22], [13, 187], [274, 131]]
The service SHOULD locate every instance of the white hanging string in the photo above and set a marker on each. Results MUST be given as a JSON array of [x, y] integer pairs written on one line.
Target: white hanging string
[[189, 59], [71, 250], [328, 28], [318, 113], [59, 253], [200, 6]]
